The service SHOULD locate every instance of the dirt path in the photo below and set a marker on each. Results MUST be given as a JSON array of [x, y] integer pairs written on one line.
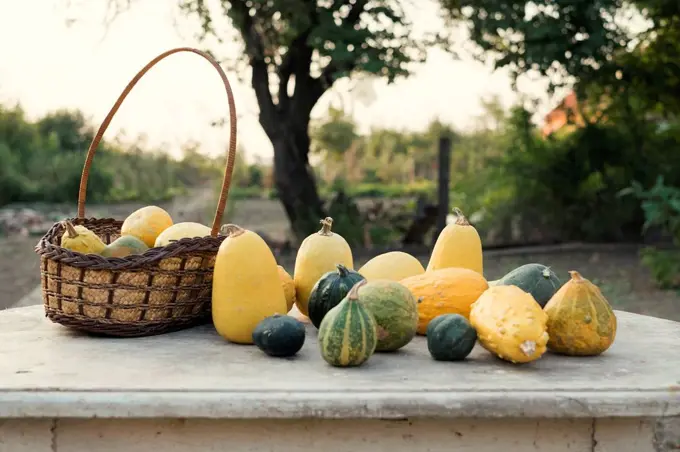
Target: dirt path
[[19, 264]]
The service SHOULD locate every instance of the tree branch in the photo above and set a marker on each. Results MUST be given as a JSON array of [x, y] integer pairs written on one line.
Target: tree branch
[[293, 61], [255, 51]]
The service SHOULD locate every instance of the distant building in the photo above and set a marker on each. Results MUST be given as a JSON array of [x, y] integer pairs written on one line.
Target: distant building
[[565, 114]]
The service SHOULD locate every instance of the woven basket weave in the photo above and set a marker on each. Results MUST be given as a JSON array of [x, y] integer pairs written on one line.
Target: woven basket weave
[[162, 290]]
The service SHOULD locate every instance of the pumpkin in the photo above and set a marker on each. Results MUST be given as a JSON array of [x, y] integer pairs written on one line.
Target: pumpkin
[[246, 285], [580, 320], [446, 291], [318, 253], [124, 246], [395, 266], [450, 337], [510, 324], [537, 279], [279, 335], [348, 333], [458, 245], [330, 290], [146, 224], [80, 239], [178, 231], [288, 287]]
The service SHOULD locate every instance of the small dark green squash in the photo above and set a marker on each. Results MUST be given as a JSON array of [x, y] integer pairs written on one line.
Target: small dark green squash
[[329, 290], [536, 279], [279, 335], [450, 337]]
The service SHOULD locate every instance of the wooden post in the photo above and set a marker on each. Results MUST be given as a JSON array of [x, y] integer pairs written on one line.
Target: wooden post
[[443, 184]]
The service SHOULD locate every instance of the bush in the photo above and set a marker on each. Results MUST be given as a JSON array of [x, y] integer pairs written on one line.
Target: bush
[[43, 161], [661, 207]]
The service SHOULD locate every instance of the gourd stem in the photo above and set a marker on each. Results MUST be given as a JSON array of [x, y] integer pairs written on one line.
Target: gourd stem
[[461, 220], [70, 229], [326, 225], [354, 291], [342, 270], [576, 276], [232, 230]]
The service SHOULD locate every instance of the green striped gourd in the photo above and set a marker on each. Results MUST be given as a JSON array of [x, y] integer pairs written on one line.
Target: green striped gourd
[[348, 332]]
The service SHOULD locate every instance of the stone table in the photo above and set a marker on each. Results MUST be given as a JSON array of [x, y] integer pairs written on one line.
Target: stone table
[[192, 391]]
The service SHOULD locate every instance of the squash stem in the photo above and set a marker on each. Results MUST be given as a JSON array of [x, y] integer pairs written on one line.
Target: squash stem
[[461, 220], [576, 276], [232, 230], [354, 291], [70, 229], [326, 225], [342, 270]]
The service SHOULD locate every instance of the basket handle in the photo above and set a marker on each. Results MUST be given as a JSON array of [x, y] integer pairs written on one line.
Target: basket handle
[[226, 182]]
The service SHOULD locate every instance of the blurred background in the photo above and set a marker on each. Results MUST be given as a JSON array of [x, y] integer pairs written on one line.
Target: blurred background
[[553, 125]]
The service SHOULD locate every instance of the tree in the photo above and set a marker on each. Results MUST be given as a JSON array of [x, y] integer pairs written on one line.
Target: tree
[[334, 136], [297, 50], [612, 43]]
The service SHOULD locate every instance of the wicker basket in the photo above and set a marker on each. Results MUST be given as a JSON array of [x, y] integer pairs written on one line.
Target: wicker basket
[[163, 290]]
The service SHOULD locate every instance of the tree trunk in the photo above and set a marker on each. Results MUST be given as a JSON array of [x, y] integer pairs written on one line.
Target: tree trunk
[[294, 180]]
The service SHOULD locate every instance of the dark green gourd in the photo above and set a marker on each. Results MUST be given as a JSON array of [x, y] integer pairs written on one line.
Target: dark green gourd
[[450, 337], [329, 290], [536, 279], [279, 335]]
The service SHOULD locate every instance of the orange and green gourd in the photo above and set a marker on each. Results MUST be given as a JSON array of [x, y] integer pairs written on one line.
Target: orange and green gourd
[[581, 321]]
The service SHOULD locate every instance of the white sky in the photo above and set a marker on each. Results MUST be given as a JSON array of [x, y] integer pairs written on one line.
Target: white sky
[[45, 65]]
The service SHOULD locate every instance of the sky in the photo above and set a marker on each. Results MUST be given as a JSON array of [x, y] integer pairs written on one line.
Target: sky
[[58, 62]]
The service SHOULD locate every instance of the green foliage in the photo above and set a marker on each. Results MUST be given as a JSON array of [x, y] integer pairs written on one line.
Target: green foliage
[[610, 49], [43, 161], [661, 206], [664, 265], [335, 135], [340, 36], [557, 39]]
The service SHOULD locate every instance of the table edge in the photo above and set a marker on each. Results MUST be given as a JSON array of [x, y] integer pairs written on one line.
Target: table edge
[[323, 405]]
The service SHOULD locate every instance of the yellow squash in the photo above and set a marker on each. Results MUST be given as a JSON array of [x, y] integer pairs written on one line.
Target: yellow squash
[[394, 266], [79, 238], [178, 231], [510, 324], [445, 291], [580, 320], [288, 287], [318, 254], [458, 245], [146, 224], [246, 285]]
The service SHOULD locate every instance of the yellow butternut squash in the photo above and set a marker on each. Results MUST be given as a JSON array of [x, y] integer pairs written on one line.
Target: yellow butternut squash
[[318, 254], [458, 245], [393, 266], [246, 285]]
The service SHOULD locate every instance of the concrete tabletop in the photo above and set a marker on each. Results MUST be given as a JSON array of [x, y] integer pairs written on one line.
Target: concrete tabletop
[[47, 370]]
